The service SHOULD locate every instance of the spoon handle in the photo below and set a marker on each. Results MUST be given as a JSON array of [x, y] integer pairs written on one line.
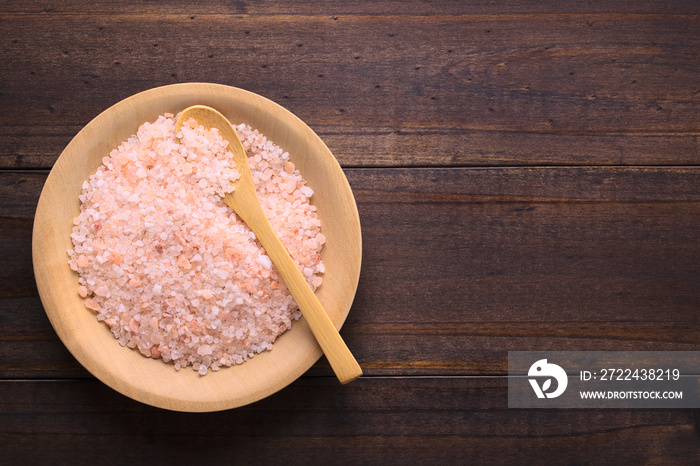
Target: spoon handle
[[339, 356]]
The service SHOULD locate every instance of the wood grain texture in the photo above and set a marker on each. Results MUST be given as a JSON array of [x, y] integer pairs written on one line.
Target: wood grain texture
[[455, 420], [457, 90], [340, 7], [38, 147], [519, 259]]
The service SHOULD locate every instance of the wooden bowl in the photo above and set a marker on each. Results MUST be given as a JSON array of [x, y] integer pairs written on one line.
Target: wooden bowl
[[152, 381]]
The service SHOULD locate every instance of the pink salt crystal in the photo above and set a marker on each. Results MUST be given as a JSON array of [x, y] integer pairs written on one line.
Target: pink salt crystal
[[111, 322], [316, 281], [83, 261], [181, 238], [82, 291], [92, 305], [153, 322], [134, 282], [206, 294], [204, 350], [183, 262], [264, 260], [289, 167], [134, 325], [115, 258]]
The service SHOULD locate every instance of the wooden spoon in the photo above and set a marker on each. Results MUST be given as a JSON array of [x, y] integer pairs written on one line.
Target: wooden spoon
[[244, 201]]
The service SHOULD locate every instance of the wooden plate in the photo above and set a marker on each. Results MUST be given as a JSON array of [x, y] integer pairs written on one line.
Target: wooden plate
[[152, 381]]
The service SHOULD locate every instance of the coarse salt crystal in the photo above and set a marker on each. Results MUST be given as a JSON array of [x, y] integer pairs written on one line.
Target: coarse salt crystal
[[264, 261]]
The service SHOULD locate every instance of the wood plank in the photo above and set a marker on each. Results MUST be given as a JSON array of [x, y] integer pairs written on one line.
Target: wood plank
[[38, 147], [461, 266], [33, 147], [340, 7], [456, 90], [377, 420]]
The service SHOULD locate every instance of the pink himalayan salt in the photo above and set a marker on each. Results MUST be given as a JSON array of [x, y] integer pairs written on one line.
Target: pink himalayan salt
[[172, 270], [92, 305]]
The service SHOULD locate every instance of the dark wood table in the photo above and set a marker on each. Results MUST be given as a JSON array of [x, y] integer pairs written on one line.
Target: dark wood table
[[527, 175]]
